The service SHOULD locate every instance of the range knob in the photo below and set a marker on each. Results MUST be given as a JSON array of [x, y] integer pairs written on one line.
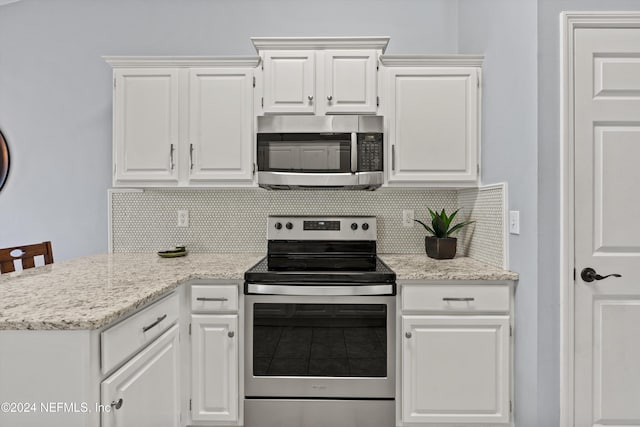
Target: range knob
[[365, 226], [354, 226], [278, 226], [289, 226]]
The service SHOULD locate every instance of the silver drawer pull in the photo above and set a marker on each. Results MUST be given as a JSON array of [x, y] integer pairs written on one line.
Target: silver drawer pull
[[458, 299], [158, 320], [117, 404], [211, 299]]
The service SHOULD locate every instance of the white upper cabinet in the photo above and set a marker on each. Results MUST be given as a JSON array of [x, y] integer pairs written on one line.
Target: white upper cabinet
[[432, 113], [289, 82], [146, 118], [183, 121], [319, 75], [350, 81], [220, 124]]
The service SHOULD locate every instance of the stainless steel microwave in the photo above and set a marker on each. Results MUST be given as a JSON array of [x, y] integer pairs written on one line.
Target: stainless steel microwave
[[323, 152]]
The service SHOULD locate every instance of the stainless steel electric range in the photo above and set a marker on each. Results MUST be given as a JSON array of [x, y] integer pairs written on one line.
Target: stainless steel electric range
[[320, 321]]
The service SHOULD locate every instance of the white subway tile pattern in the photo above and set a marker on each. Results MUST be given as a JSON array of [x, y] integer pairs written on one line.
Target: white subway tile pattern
[[234, 220], [484, 239]]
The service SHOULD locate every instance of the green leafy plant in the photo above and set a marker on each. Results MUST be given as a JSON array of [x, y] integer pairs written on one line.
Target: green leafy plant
[[441, 224]]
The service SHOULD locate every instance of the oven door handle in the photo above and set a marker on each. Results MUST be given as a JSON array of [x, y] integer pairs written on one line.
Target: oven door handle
[[320, 290]]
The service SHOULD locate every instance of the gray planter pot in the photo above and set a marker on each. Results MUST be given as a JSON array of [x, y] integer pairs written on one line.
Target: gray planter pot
[[440, 248]]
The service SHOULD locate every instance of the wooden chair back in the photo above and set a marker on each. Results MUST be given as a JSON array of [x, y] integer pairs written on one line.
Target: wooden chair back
[[26, 254]]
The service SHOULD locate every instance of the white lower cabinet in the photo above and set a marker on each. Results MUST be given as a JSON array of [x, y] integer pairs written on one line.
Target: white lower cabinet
[[214, 358], [144, 392], [455, 357], [215, 354]]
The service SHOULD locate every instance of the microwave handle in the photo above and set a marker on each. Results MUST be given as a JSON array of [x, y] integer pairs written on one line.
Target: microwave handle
[[354, 152]]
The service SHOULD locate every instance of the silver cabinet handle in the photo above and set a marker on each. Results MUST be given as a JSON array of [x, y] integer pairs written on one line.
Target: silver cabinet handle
[[211, 299], [158, 320], [171, 163], [393, 157], [458, 299], [191, 155], [310, 97], [408, 334], [117, 404], [329, 98], [231, 334]]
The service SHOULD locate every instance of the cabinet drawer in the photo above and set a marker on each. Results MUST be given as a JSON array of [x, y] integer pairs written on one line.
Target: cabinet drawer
[[205, 298], [127, 337], [456, 298]]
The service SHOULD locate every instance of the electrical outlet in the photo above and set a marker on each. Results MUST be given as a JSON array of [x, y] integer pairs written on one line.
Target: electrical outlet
[[183, 218], [514, 222], [407, 217]]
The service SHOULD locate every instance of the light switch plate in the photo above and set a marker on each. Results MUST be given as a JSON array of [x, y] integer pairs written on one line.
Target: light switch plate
[[407, 217], [514, 222], [183, 217]]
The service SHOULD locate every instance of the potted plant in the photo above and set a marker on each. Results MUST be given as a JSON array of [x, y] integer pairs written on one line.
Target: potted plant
[[440, 245]]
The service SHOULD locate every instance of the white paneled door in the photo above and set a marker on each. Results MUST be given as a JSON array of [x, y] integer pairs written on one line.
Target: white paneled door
[[607, 231]]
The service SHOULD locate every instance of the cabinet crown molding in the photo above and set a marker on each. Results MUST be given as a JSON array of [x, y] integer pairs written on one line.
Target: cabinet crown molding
[[432, 60], [366, 42], [181, 61]]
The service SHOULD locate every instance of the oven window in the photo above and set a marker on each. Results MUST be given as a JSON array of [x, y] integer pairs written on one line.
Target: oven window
[[320, 340], [313, 153]]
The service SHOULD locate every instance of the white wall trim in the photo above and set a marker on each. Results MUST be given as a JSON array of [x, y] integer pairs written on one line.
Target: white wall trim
[[181, 61], [366, 42], [569, 21], [432, 60]]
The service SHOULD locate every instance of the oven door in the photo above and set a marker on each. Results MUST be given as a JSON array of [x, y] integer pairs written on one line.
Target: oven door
[[320, 346]]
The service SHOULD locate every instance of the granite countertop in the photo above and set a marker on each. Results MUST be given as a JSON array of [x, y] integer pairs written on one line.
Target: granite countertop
[[92, 292], [421, 267]]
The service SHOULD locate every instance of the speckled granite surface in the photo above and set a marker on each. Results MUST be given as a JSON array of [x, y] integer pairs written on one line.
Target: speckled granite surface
[[421, 267], [91, 292]]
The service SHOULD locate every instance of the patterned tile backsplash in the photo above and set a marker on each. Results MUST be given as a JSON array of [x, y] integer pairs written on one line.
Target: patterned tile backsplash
[[234, 220]]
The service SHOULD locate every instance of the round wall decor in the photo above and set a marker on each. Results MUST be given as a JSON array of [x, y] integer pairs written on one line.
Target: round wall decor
[[4, 160]]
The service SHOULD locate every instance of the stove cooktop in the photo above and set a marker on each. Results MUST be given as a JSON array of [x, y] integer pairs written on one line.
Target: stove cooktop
[[260, 273]]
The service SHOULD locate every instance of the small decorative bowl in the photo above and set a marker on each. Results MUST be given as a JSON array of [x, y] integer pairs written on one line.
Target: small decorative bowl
[[174, 253]]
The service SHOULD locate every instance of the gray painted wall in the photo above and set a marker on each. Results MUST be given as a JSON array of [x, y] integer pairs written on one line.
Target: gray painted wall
[[55, 90], [505, 31]]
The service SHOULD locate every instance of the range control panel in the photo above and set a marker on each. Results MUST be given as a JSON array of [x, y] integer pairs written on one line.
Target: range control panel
[[321, 228]]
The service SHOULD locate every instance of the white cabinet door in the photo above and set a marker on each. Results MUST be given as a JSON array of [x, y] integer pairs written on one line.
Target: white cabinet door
[[214, 365], [455, 369], [289, 82], [433, 126], [145, 391], [146, 125], [220, 125], [350, 79]]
